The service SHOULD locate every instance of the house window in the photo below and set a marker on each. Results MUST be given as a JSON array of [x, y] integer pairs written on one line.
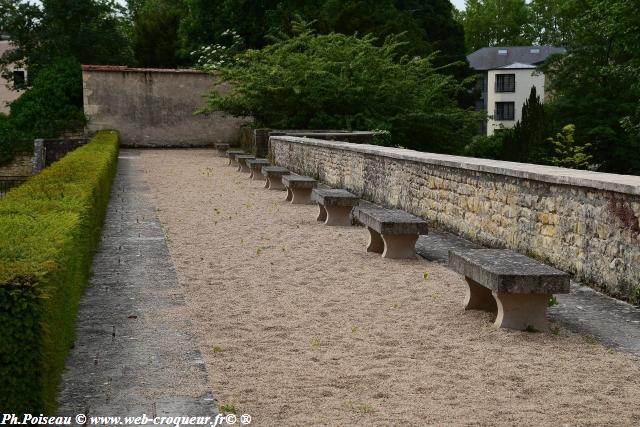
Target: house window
[[19, 79], [534, 50], [505, 82], [505, 111], [502, 51]]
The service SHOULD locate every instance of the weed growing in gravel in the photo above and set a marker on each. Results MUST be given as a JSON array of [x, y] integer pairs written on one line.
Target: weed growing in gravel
[[228, 408]]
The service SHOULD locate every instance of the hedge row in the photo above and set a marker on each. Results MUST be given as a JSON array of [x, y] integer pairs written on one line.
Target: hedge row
[[49, 229]]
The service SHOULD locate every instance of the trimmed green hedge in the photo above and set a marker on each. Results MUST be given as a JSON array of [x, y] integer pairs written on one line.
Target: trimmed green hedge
[[49, 229]]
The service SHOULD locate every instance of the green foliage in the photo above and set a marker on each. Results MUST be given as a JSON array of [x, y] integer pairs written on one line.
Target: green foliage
[[49, 228], [382, 137], [347, 82], [495, 23], [597, 85], [53, 105], [551, 20], [428, 27], [635, 296], [488, 147], [50, 107], [568, 153], [91, 31], [155, 34], [528, 143]]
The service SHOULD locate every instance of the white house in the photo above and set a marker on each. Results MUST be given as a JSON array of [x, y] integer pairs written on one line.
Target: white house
[[18, 79], [506, 76]]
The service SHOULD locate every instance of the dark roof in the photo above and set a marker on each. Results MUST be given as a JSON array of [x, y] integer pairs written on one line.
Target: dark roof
[[488, 58]]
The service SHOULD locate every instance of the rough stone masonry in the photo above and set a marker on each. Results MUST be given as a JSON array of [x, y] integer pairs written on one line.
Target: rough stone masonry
[[585, 223]]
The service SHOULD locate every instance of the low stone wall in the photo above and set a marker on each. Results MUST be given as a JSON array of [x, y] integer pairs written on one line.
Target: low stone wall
[[155, 107], [256, 141], [20, 166], [585, 223]]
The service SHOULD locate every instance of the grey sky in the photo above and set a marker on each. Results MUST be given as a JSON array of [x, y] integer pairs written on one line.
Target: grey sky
[[458, 4]]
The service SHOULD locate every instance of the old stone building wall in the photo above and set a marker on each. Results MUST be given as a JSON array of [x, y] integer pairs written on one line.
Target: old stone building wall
[[155, 107], [582, 222], [20, 166]]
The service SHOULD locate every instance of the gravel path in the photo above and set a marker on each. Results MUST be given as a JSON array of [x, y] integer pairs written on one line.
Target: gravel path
[[134, 353], [299, 325]]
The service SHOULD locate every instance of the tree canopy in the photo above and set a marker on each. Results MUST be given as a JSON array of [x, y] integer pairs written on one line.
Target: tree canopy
[[337, 81]]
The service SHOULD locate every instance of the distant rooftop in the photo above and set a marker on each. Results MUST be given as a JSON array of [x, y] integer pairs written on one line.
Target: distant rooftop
[[490, 58]]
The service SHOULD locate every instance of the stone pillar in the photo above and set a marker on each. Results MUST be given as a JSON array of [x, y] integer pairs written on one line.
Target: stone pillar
[[261, 142], [38, 156]]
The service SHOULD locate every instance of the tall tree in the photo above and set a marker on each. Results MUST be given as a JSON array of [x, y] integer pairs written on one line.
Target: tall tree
[[527, 142], [91, 31], [495, 23], [155, 33], [428, 25], [551, 20], [597, 85]]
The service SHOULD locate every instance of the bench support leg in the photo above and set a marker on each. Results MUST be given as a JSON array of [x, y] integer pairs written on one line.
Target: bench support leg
[[375, 243], [300, 196], [274, 183], [521, 311], [230, 162], [256, 175], [289, 195], [478, 297], [322, 215], [244, 168], [338, 215], [399, 246]]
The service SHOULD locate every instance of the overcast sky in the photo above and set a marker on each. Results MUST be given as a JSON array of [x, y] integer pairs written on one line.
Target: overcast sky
[[458, 3]]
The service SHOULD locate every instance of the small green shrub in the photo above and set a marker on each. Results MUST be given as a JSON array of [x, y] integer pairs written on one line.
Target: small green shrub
[[49, 228], [487, 147], [52, 106]]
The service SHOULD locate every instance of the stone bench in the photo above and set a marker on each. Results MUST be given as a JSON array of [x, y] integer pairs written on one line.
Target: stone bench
[[393, 233], [273, 175], [222, 148], [515, 286], [299, 188], [231, 154], [255, 166], [241, 161], [335, 205]]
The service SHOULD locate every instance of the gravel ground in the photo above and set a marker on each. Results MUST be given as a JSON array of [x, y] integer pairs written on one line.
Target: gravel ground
[[299, 325]]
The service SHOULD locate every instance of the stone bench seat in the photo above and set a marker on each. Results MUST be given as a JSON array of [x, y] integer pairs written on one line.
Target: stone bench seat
[[222, 148], [392, 232], [515, 286], [241, 161], [273, 175], [231, 154], [255, 166], [299, 188], [335, 205]]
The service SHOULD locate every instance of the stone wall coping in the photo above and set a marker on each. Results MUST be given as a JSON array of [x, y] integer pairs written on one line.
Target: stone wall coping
[[627, 184], [125, 69]]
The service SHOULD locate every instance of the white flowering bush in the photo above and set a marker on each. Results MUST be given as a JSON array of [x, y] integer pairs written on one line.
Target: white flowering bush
[[214, 57]]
